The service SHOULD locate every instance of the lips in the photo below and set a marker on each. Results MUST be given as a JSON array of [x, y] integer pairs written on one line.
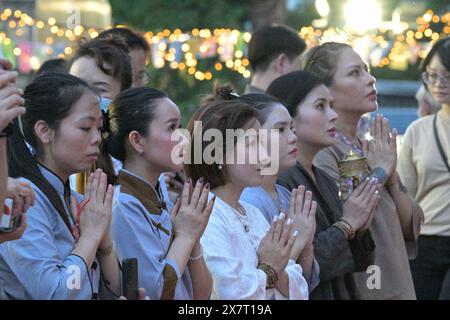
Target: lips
[[293, 152], [332, 132], [94, 155], [372, 95]]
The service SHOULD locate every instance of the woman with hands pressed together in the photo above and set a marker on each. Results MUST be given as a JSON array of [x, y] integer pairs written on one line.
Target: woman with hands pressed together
[[342, 245], [65, 252], [248, 258], [170, 262], [396, 222], [271, 198]]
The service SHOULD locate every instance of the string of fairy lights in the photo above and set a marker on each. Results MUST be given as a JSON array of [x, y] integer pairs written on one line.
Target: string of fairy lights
[[223, 48]]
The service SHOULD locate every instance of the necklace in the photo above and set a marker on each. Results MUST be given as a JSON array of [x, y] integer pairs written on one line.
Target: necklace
[[348, 142], [242, 216]]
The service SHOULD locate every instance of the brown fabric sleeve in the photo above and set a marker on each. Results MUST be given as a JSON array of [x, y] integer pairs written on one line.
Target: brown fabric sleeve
[[170, 283]]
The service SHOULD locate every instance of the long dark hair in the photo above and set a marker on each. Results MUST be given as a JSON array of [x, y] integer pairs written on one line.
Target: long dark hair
[[49, 98]]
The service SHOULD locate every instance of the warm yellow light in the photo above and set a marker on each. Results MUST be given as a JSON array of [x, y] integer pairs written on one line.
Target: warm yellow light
[[7, 41], [218, 66], [51, 21], [17, 51], [229, 64], [247, 36], [40, 24], [208, 76], [49, 40], [191, 70], [323, 8], [238, 54], [17, 13], [247, 74], [19, 32], [185, 47], [12, 24], [7, 12], [34, 62]]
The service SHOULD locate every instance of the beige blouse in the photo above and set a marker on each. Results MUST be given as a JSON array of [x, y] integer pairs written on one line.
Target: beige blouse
[[424, 173], [392, 249]]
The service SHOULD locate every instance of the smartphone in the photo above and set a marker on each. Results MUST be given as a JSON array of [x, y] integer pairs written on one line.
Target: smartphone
[[9, 222], [130, 282]]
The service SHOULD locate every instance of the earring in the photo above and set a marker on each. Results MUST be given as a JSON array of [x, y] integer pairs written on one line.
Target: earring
[[220, 167]]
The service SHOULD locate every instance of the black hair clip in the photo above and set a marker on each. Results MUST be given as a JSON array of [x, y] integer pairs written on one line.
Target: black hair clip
[[106, 129]]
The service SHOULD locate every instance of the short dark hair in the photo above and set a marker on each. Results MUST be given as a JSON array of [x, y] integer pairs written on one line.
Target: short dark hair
[[133, 39], [292, 88], [269, 41], [53, 65], [442, 48], [112, 51], [221, 115]]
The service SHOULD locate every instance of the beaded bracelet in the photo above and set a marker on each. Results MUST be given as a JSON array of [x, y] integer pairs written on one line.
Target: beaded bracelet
[[272, 276], [197, 257]]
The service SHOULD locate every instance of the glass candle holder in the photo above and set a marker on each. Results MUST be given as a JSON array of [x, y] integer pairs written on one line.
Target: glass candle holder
[[353, 170]]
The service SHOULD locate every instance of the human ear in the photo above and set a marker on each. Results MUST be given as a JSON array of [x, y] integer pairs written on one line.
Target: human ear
[[43, 132], [135, 141]]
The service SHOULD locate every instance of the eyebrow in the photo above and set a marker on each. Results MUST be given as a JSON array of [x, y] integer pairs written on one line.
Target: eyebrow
[[90, 118], [320, 100], [281, 123], [172, 120]]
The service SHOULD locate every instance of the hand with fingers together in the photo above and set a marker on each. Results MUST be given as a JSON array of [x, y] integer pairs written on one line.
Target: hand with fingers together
[[95, 217], [276, 246], [190, 213], [302, 211], [381, 149], [359, 208]]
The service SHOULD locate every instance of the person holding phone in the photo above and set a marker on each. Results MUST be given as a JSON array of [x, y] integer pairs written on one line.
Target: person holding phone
[[66, 252], [11, 103]]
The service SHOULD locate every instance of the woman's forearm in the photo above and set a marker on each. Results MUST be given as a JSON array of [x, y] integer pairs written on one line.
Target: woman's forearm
[[110, 271], [306, 261], [200, 276], [404, 204], [283, 284]]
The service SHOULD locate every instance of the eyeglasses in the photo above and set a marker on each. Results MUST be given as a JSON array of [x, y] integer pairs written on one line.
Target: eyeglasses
[[432, 78]]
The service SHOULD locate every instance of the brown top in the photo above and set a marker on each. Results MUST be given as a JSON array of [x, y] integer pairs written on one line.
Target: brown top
[[144, 193], [391, 247]]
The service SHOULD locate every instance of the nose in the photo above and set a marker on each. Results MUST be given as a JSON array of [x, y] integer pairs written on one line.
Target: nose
[[292, 137], [97, 137], [332, 115]]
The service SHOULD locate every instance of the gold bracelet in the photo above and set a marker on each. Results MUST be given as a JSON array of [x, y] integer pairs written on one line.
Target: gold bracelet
[[272, 276]]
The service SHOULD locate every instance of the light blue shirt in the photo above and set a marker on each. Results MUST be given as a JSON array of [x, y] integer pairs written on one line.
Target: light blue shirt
[[270, 208], [135, 235], [40, 265]]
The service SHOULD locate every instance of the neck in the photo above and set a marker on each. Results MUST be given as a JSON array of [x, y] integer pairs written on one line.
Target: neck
[[347, 123], [143, 170], [306, 156], [446, 111], [229, 193], [51, 164], [269, 183], [262, 80]]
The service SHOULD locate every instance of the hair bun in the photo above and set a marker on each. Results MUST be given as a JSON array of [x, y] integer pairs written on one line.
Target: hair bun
[[226, 93]]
